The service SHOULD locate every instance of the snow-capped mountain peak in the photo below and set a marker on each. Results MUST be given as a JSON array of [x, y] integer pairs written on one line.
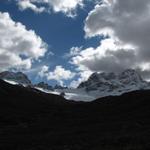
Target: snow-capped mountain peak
[[17, 77], [104, 84], [130, 76]]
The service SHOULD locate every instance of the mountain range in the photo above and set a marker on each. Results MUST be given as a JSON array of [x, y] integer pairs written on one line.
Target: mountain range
[[98, 84]]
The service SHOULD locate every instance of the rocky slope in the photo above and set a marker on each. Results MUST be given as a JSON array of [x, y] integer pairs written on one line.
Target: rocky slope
[[44, 86]]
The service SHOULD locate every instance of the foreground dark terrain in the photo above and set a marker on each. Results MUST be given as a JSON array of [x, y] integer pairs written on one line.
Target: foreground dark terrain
[[32, 120]]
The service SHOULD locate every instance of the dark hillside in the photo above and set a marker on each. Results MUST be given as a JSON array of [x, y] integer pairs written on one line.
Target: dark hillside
[[32, 120]]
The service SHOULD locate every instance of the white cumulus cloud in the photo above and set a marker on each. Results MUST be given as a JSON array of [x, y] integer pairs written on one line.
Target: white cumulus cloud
[[27, 4], [59, 74], [68, 7], [109, 56], [19, 47]]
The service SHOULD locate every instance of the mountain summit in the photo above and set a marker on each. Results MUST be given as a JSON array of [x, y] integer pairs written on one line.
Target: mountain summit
[[103, 84], [17, 77]]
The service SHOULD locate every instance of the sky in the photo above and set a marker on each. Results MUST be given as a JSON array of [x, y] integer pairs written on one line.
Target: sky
[[65, 41]]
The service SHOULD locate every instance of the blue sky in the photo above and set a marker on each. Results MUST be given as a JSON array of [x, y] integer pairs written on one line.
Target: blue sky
[[65, 41], [57, 30]]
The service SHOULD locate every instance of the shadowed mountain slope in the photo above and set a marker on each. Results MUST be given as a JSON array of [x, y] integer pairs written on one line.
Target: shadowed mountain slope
[[32, 120]]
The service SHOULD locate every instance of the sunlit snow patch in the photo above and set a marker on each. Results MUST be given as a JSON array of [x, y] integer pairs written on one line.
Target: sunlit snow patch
[[11, 82], [70, 94], [79, 97], [47, 91]]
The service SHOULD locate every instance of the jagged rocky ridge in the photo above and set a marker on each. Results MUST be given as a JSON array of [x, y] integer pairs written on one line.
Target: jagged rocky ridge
[[111, 83], [21, 78], [98, 85], [17, 77], [44, 86]]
